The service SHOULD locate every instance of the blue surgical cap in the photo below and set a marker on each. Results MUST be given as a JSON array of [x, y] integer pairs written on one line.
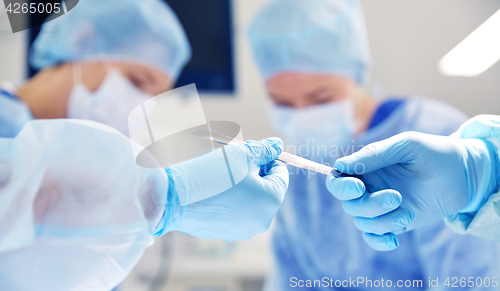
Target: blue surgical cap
[[316, 36], [140, 31]]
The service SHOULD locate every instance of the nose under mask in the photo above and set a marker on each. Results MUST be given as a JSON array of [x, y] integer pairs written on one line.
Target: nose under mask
[[110, 104], [315, 131]]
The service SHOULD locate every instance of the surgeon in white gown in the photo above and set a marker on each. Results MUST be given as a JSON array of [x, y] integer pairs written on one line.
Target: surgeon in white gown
[[77, 212]]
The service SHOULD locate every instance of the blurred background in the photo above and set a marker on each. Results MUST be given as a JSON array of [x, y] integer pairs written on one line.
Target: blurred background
[[407, 39]]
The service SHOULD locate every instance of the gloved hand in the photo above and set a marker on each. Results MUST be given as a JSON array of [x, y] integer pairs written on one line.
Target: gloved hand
[[411, 180], [200, 205]]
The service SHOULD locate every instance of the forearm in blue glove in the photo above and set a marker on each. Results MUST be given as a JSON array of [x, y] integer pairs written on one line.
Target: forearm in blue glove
[[411, 180], [205, 200]]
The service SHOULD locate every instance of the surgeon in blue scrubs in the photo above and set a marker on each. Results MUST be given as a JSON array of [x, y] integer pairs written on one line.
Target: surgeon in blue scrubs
[[314, 57]]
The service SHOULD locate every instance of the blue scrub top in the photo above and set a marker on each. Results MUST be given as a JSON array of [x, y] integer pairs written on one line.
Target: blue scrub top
[[14, 114], [314, 238], [9, 95], [384, 110]]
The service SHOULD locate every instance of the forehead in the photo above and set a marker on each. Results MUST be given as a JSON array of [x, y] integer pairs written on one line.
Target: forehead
[[299, 84]]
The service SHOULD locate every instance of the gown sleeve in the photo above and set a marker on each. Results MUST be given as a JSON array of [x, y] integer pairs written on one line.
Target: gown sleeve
[[76, 211], [486, 222]]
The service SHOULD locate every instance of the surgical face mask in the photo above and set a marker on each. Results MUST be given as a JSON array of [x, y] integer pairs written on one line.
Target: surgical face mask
[[110, 104], [315, 131]]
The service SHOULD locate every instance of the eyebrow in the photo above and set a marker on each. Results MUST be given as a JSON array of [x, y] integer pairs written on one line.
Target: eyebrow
[[150, 77], [279, 99], [276, 96], [312, 95]]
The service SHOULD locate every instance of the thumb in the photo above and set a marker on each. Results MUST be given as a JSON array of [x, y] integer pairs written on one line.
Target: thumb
[[264, 151], [394, 150]]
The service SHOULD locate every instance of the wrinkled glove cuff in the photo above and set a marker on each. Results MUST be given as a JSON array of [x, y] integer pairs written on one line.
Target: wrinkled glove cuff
[[482, 172], [174, 213]]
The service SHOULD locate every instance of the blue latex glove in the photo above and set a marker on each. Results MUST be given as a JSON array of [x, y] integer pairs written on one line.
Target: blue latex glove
[[411, 180], [238, 213]]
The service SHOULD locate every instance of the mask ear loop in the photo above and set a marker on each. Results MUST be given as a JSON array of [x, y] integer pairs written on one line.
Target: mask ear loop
[[107, 65], [77, 74]]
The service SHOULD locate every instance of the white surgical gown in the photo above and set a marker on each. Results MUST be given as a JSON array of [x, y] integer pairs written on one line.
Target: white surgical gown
[[76, 212], [486, 222]]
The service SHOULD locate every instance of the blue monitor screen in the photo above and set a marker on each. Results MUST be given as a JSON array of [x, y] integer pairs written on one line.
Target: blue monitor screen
[[208, 25]]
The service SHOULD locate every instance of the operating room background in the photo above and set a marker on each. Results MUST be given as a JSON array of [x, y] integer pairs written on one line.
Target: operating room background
[[407, 39]]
